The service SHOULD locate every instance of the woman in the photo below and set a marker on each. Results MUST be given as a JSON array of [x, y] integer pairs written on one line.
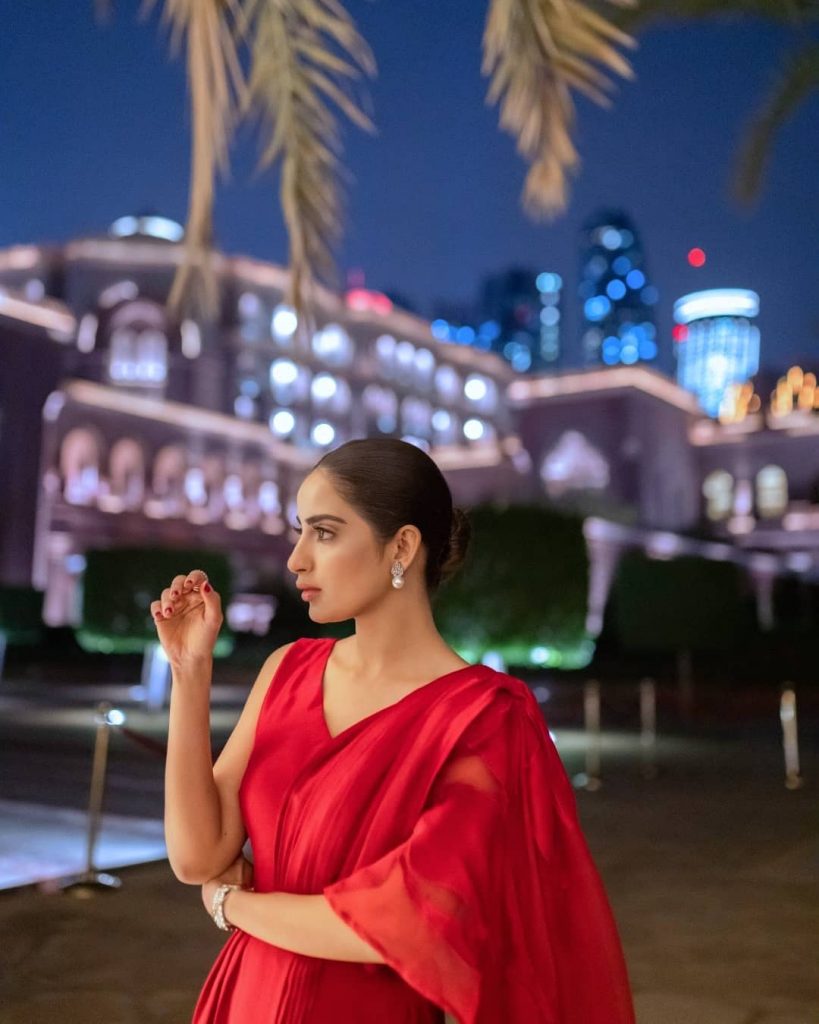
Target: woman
[[417, 855]]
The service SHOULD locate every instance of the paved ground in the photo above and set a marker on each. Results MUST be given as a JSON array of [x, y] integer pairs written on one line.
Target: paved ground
[[712, 869]]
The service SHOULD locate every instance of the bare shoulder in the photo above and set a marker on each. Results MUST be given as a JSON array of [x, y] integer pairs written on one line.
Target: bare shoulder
[[271, 665]]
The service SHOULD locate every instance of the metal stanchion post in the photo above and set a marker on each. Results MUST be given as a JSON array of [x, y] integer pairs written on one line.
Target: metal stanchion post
[[92, 881], [590, 779], [790, 738], [648, 727]]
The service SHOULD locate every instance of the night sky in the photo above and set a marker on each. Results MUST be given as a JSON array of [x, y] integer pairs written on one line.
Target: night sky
[[94, 125]]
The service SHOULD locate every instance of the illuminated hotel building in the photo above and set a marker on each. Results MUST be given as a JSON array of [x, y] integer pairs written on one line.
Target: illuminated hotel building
[[716, 343], [617, 300], [120, 426]]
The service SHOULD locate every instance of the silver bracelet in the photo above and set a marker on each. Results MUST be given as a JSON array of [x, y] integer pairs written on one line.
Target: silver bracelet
[[217, 912]]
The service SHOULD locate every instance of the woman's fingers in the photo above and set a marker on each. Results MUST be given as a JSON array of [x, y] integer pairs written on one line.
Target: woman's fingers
[[194, 580], [182, 586], [176, 586]]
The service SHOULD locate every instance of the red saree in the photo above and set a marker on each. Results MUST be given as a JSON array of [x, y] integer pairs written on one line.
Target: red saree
[[443, 829]]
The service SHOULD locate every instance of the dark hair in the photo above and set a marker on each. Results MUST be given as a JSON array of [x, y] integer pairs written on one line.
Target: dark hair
[[390, 483]]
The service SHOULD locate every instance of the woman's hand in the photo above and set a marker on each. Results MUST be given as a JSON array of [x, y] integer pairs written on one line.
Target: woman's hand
[[240, 872], [188, 618]]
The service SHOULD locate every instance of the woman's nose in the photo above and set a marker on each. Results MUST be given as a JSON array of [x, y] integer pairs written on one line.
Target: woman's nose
[[295, 561]]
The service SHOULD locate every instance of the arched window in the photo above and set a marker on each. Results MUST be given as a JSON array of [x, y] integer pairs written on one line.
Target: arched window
[[126, 476], [168, 483], [718, 491], [771, 491], [138, 345], [79, 466]]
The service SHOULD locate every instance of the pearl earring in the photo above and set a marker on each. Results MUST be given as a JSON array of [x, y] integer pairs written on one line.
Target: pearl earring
[[397, 573]]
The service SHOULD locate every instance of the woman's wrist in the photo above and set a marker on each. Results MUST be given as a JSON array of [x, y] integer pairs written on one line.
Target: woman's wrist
[[192, 672]]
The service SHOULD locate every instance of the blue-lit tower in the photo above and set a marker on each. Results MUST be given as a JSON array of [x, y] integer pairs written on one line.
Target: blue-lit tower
[[716, 342], [521, 313], [617, 300]]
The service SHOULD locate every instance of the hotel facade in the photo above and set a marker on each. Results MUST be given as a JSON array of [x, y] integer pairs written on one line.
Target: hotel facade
[[122, 426]]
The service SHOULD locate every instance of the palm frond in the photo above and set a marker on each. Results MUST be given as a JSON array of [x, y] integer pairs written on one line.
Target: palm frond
[[798, 80], [306, 56], [535, 52], [217, 87]]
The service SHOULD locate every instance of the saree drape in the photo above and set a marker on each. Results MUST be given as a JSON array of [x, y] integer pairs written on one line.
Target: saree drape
[[442, 829]]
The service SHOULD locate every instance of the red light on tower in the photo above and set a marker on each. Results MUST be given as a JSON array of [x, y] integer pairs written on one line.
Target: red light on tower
[[679, 333], [696, 257]]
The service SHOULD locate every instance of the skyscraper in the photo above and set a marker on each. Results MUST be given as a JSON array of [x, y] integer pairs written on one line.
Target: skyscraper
[[521, 312], [715, 342], [616, 298]]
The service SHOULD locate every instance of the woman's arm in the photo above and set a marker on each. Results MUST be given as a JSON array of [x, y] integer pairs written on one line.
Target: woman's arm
[[300, 924], [204, 832]]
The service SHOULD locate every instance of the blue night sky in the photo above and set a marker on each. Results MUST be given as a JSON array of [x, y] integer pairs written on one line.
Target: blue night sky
[[94, 125]]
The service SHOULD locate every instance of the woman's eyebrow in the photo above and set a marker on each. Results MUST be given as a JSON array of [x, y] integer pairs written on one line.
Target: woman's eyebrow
[[324, 515]]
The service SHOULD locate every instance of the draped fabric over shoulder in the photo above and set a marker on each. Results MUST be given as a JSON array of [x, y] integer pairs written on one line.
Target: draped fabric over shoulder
[[442, 829]]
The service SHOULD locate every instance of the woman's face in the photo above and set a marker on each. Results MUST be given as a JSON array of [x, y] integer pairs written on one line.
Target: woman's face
[[336, 551]]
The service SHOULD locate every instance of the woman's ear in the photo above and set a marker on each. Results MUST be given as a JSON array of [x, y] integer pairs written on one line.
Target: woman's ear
[[409, 540]]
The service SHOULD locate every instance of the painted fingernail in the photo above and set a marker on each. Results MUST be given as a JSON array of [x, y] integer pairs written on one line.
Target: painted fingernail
[[206, 588], [168, 611], [174, 593]]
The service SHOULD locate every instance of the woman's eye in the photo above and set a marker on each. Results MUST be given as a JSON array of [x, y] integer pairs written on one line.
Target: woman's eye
[[319, 529]]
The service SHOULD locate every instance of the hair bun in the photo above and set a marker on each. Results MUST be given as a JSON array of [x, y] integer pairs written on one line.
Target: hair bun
[[460, 533]]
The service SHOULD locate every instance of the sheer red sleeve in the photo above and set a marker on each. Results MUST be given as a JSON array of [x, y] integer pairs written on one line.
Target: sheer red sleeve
[[492, 907]]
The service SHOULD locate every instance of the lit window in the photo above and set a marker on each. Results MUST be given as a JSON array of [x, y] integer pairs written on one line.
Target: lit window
[[79, 466], [244, 407], [331, 393], [447, 382], [322, 433], [323, 386], [424, 366], [334, 345], [138, 356], [282, 422], [283, 371], [385, 355], [771, 491], [718, 491], [405, 359], [269, 498], [250, 306], [475, 388], [283, 323], [195, 489], [289, 382], [233, 491]]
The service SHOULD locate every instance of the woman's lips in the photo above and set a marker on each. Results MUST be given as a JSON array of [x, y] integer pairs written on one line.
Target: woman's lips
[[309, 593]]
